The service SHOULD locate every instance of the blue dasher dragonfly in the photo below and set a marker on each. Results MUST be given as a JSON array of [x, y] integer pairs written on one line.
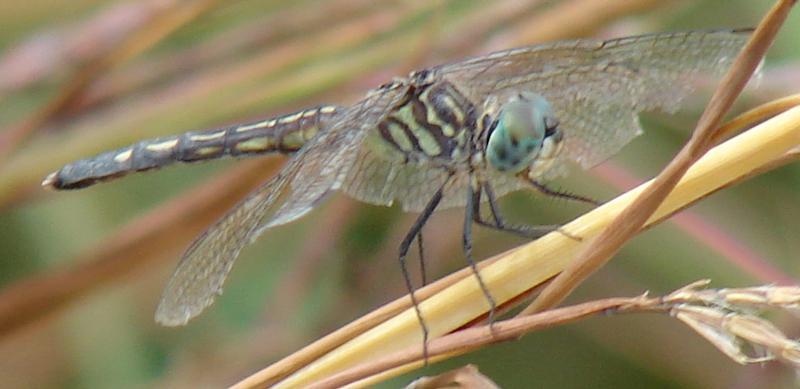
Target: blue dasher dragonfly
[[455, 135]]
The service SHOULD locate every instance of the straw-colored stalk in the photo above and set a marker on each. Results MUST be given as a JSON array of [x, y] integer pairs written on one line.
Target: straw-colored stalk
[[725, 317], [517, 271]]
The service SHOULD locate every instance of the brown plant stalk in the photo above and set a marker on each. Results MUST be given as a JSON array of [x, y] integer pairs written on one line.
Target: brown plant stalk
[[517, 271], [631, 220], [722, 316]]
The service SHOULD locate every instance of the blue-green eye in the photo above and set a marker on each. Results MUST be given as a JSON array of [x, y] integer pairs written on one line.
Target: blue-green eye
[[519, 132]]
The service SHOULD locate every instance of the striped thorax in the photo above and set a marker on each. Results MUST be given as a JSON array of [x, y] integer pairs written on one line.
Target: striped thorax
[[436, 123], [433, 122]]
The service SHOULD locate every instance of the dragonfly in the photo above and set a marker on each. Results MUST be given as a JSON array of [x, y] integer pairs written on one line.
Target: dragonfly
[[461, 134]]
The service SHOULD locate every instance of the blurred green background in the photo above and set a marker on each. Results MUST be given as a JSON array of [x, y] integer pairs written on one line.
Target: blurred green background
[[77, 301]]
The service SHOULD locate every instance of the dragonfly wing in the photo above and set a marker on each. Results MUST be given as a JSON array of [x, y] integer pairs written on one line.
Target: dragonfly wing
[[597, 88], [313, 172], [204, 266], [332, 158], [377, 180]]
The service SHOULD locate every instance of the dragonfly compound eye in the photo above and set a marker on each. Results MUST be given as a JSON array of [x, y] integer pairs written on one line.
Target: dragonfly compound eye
[[523, 125]]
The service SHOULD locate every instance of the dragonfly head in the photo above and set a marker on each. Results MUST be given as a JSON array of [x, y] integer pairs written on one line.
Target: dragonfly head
[[525, 135]]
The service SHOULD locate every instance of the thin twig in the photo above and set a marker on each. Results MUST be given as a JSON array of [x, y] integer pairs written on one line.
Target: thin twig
[[718, 238], [631, 220], [719, 315], [518, 270]]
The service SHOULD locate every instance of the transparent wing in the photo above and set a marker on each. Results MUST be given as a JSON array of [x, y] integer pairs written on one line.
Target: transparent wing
[[379, 180], [313, 172], [203, 268], [597, 88]]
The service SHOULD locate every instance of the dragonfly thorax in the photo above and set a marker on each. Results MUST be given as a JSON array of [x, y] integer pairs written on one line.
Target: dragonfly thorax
[[524, 135]]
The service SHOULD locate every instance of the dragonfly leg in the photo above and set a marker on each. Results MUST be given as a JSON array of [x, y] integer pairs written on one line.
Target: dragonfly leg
[[473, 198], [415, 233], [423, 275], [561, 195], [531, 232]]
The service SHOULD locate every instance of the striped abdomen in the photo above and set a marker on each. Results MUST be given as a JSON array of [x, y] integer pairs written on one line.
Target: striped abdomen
[[284, 134]]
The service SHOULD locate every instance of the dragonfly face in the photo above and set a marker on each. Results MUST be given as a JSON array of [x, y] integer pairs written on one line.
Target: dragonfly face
[[525, 128]]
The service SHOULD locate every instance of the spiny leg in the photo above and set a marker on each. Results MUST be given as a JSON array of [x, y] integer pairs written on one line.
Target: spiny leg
[[413, 233], [561, 195], [474, 198], [422, 271], [531, 232]]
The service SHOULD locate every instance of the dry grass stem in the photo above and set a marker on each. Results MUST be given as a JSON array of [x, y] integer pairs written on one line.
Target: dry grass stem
[[714, 314], [755, 116], [631, 220], [517, 271], [464, 377]]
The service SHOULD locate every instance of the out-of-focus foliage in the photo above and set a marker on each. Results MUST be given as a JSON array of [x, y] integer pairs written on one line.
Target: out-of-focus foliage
[[239, 60]]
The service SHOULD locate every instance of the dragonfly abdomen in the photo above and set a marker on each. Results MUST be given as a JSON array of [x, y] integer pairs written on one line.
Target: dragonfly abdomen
[[284, 134]]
